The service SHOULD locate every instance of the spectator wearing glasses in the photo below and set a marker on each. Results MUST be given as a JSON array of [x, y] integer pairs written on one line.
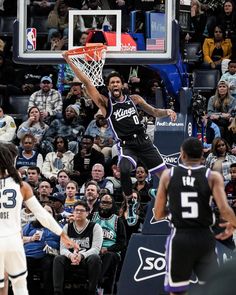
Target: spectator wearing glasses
[[216, 49], [114, 240], [47, 99], [89, 236], [220, 158]]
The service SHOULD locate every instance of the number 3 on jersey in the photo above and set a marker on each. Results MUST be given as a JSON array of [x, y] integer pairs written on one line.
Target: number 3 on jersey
[[10, 201], [189, 204]]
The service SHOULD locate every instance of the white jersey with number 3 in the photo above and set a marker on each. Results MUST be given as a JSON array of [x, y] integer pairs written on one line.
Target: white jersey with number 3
[[10, 206]]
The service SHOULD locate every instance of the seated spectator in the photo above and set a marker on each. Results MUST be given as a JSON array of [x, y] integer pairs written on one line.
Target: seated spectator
[[43, 7], [80, 38], [47, 99], [142, 185], [35, 238], [34, 125], [57, 42], [209, 131], [230, 187], [102, 134], [232, 134], [57, 201], [68, 127], [60, 159], [220, 106], [44, 192], [7, 127], [198, 21], [227, 19], [85, 159], [216, 49], [77, 96], [58, 19], [91, 196], [27, 155], [62, 179], [220, 158], [230, 77], [98, 174], [114, 240], [132, 214], [89, 237], [71, 195], [33, 178]]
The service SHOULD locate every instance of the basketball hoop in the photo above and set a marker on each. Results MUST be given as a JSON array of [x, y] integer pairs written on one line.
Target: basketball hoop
[[90, 59]]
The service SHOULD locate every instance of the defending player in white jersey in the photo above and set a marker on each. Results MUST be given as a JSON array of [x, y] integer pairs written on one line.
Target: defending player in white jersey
[[13, 191]]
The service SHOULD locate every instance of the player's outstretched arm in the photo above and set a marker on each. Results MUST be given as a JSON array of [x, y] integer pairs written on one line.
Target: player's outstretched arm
[[43, 216], [160, 210], [138, 100], [91, 90]]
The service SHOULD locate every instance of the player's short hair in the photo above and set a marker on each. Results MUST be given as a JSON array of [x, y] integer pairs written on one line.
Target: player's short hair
[[233, 165], [114, 74], [192, 147]]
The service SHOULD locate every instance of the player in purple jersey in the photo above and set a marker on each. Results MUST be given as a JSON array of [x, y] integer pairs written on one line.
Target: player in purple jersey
[[120, 110]]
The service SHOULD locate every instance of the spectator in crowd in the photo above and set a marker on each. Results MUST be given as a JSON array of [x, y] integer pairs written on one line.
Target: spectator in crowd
[[62, 158], [152, 86], [232, 134], [230, 187], [7, 126], [220, 106], [62, 179], [42, 7], [209, 131], [227, 19], [26, 216], [69, 127], [35, 238], [88, 236], [33, 178], [77, 96], [71, 196], [58, 19], [98, 175], [34, 125], [102, 134], [220, 158], [28, 156], [44, 192], [92, 197], [57, 42], [216, 48], [85, 159], [230, 77], [57, 201], [80, 38], [47, 99], [132, 214], [114, 240], [197, 23], [142, 184]]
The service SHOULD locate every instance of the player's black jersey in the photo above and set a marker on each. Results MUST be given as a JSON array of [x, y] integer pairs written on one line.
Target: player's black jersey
[[123, 118], [190, 197]]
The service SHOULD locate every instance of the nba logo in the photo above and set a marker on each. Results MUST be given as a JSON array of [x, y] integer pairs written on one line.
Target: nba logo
[[31, 39]]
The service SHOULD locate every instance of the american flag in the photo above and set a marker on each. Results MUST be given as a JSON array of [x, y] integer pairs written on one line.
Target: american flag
[[155, 44]]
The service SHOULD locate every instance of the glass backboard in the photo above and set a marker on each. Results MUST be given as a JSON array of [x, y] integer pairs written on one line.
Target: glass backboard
[[148, 37]]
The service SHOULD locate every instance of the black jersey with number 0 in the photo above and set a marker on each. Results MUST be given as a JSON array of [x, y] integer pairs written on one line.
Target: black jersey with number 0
[[190, 197], [123, 118]]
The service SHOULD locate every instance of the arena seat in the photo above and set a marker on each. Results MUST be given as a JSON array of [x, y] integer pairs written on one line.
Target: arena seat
[[205, 80], [18, 105], [6, 26]]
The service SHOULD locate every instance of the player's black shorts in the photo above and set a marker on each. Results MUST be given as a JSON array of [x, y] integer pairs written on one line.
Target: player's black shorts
[[140, 147], [189, 250]]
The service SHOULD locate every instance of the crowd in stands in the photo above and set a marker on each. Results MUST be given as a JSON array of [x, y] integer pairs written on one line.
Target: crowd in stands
[[67, 151]]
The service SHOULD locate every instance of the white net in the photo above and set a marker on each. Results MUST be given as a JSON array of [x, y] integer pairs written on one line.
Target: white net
[[90, 61]]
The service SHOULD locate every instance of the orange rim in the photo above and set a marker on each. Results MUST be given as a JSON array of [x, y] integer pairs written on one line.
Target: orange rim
[[87, 49]]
